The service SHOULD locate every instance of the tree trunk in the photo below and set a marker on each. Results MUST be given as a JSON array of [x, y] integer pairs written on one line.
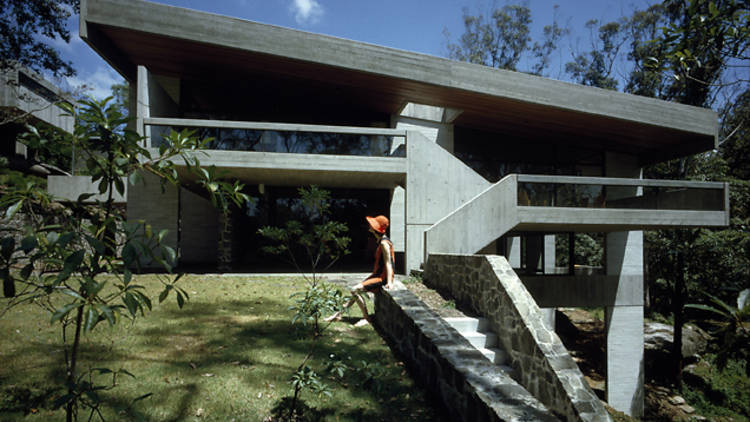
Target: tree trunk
[[678, 304], [70, 407]]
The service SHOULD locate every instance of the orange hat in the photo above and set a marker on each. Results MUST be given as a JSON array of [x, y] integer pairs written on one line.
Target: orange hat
[[379, 223]]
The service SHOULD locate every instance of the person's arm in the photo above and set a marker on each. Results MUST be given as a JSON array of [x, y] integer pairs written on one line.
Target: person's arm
[[385, 247]]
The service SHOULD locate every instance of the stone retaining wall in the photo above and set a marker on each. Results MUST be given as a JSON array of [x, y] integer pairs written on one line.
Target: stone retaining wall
[[488, 286], [470, 386]]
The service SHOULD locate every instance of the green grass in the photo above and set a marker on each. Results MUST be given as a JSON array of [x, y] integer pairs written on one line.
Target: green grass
[[719, 394], [227, 355]]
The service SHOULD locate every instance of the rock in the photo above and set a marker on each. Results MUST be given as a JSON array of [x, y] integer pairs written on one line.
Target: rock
[[658, 338], [686, 408], [676, 400]]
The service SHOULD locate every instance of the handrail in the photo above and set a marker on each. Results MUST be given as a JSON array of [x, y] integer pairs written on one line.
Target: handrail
[[617, 181], [281, 127]]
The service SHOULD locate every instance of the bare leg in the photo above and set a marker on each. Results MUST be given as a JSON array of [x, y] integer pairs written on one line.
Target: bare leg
[[355, 298]]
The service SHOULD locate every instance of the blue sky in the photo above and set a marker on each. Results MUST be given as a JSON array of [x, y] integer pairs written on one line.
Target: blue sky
[[414, 25]]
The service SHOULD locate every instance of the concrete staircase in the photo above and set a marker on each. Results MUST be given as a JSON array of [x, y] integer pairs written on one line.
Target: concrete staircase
[[476, 331]]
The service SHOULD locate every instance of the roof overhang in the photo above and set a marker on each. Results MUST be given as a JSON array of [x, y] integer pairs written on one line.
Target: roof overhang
[[194, 45]]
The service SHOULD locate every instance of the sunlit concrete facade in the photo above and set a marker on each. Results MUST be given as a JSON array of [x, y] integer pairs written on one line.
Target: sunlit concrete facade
[[451, 146]]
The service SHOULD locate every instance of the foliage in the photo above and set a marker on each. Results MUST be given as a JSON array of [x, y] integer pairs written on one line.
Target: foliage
[[732, 328], [322, 241], [718, 392], [700, 40], [48, 145], [312, 304], [503, 38], [312, 239], [596, 67], [588, 249], [121, 97], [70, 250], [21, 21]]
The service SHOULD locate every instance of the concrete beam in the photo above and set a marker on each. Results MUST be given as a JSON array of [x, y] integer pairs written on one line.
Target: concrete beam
[[285, 169], [585, 291]]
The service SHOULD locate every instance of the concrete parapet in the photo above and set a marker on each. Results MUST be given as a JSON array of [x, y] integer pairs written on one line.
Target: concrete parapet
[[69, 188], [471, 387], [487, 285]]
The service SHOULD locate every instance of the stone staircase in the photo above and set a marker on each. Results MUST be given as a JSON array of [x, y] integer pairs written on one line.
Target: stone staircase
[[476, 331]]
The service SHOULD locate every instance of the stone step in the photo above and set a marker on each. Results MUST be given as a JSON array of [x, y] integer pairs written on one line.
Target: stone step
[[495, 355], [481, 340], [467, 324]]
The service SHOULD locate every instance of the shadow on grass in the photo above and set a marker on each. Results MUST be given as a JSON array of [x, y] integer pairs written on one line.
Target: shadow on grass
[[215, 335]]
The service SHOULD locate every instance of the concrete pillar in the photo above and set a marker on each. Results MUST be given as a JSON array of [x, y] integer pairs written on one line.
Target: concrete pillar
[[398, 219], [624, 323], [549, 268], [549, 254], [142, 108], [147, 202], [513, 254]]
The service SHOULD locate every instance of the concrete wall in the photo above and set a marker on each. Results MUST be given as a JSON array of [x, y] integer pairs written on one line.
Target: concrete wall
[[147, 202], [435, 124], [476, 223], [436, 184], [470, 387], [488, 286], [71, 187], [199, 235]]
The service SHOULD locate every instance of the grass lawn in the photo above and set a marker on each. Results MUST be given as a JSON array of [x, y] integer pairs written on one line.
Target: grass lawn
[[227, 355]]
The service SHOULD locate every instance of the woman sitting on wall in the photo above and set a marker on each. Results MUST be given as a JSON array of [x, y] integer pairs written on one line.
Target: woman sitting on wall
[[382, 273]]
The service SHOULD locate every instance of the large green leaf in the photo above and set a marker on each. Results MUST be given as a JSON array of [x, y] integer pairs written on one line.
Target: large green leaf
[[72, 263], [13, 209]]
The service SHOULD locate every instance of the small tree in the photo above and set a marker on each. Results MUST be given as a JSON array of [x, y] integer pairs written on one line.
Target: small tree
[[76, 260], [319, 242]]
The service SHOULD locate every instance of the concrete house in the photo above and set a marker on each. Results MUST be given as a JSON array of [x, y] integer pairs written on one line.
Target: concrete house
[[463, 158], [25, 96]]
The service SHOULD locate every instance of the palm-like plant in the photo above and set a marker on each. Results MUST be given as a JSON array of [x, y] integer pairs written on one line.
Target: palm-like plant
[[732, 328]]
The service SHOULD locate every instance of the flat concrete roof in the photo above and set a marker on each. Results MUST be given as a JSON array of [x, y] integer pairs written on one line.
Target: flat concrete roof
[[199, 46]]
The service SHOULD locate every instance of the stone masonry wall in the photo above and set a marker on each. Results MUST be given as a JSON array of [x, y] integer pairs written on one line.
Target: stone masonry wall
[[487, 285], [470, 386]]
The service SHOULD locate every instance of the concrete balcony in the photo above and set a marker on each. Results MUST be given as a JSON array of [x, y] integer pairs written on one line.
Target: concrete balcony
[[602, 204], [577, 204], [295, 154]]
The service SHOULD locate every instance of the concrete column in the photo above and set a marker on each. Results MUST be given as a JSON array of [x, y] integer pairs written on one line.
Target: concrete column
[[513, 247], [398, 219], [624, 323], [549, 254], [549, 268], [142, 108]]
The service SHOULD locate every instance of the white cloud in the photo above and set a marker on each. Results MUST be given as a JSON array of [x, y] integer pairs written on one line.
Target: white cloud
[[306, 11], [60, 44], [97, 84]]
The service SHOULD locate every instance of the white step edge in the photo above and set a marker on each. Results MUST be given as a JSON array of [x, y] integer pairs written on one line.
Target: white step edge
[[467, 323], [495, 355], [481, 340]]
